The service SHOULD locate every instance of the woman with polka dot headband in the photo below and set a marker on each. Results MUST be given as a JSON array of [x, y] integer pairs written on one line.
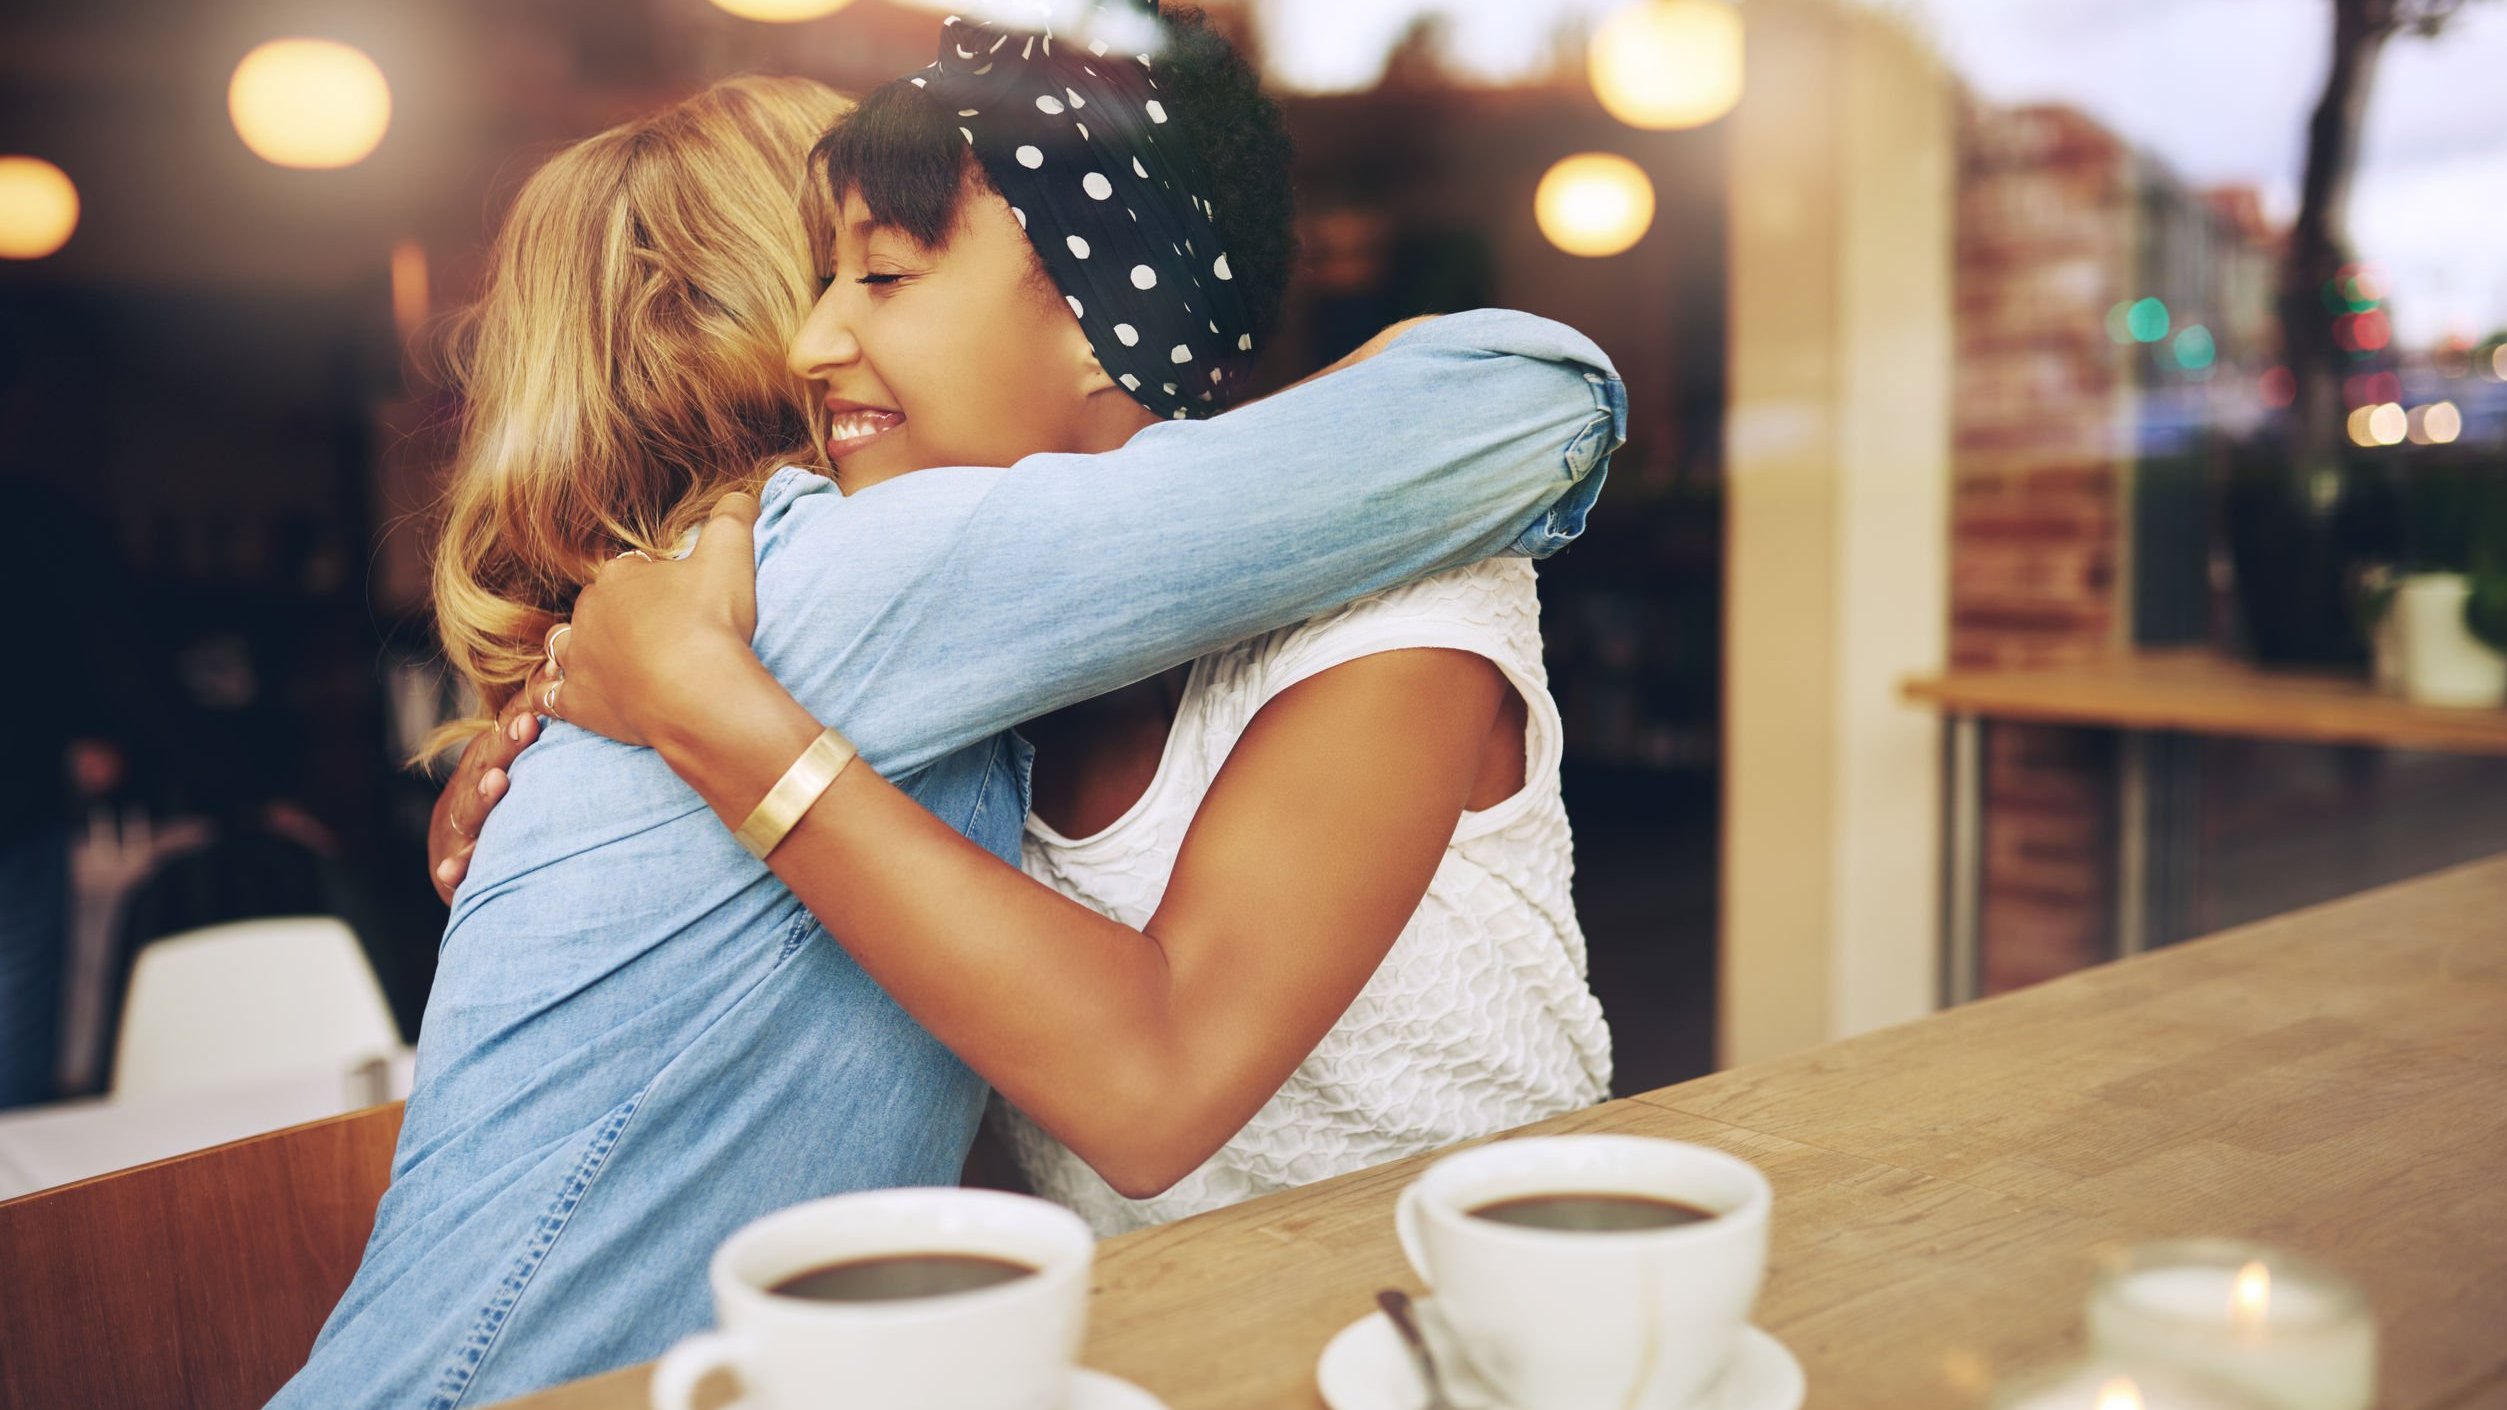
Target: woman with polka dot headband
[[1299, 907]]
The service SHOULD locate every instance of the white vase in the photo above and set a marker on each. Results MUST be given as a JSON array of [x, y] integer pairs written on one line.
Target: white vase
[[2443, 663]]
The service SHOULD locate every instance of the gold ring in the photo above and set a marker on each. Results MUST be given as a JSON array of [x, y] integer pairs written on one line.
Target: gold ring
[[634, 553]]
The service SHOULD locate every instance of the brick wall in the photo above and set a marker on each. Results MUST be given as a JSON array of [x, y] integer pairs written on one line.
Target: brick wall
[[2046, 221]]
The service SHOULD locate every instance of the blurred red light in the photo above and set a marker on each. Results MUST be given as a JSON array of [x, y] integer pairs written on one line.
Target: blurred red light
[[2278, 387]]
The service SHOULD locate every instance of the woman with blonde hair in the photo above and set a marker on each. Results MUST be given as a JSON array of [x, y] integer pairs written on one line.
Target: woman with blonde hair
[[638, 1038], [625, 367]]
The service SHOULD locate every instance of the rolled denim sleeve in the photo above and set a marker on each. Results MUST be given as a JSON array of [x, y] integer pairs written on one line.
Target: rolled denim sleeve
[[944, 606]]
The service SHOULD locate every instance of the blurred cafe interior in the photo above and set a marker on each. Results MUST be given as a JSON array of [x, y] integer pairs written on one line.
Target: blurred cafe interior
[[2062, 517]]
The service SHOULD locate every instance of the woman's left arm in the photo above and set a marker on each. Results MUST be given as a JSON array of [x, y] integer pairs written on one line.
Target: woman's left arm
[[1143, 1050]]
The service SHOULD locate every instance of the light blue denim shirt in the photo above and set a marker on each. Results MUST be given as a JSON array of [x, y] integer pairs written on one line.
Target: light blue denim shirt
[[639, 1040]]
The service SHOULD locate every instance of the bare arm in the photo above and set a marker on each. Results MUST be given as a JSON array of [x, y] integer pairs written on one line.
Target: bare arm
[[1511, 399], [1144, 1050]]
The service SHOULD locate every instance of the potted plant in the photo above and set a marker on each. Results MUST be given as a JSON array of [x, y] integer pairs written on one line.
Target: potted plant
[[2445, 620]]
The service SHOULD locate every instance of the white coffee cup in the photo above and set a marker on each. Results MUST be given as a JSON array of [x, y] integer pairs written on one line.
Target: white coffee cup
[[1639, 1319], [1009, 1346]]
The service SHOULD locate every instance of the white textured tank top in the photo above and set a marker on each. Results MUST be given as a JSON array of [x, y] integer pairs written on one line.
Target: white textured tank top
[[1479, 1018]]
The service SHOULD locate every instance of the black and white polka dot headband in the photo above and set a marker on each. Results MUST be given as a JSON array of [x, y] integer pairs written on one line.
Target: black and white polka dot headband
[[1113, 197]]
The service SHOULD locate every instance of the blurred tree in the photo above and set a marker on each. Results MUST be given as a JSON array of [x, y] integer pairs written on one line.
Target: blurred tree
[[2319, 241]]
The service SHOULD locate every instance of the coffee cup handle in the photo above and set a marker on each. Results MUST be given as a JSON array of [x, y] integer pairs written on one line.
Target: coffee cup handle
[[692, 1360], [1406, 1228]]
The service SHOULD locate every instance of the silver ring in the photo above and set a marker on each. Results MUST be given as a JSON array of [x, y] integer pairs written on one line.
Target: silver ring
[[548, 699], [634, 553], [556, 667], [455, 824]]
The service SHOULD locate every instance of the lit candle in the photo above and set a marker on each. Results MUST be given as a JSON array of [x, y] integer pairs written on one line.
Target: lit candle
[[2108, 1384], [2292, 1335]]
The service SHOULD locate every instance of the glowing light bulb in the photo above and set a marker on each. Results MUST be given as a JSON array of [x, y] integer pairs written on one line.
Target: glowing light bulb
[[1594, 204], [38, 208], [309, 103], [1662, 64], [781, 11]]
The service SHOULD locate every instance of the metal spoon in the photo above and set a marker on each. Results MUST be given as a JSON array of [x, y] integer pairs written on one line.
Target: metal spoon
[[1398, 1311]]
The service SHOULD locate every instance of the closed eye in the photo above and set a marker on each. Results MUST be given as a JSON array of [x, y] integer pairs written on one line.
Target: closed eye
[[879, 279]]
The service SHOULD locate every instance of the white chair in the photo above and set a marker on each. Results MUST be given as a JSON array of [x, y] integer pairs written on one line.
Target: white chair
[[235, 1004]]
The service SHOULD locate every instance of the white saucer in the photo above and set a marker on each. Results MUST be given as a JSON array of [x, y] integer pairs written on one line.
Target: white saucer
[[1366, 1367], [1090, 1390], [1095, 1390]]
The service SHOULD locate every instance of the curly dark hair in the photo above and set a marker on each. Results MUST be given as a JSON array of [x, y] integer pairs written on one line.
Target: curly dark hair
[[904, 157]]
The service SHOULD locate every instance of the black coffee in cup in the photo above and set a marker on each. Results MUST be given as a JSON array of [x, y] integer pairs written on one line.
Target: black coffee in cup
[[897, 1276], [1591, 1213]]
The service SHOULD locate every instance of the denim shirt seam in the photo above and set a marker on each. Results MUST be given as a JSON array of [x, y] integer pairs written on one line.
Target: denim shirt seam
[[453, 1385], [984, 790], [457, 1379]]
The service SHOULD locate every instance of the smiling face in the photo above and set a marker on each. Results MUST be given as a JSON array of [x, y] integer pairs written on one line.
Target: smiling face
[[961, 354]]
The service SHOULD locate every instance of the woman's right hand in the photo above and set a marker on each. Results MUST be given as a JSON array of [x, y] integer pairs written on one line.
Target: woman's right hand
[[478, 783]]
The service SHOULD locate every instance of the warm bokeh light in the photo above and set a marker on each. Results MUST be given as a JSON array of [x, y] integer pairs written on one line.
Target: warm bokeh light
[[2356, 426], [2119, 1394], [2369, 388], [2363, 332], [2388, 423], [309, 103], [2250, 1301], [2436, 424], [1594, 204], [410, 298], [2498, 362], [781, 11], [2279, 387], [1660, 64], [38, 208]]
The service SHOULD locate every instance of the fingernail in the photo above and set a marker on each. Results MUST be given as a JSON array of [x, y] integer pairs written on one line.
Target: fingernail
[[483, 778], [444, 870]]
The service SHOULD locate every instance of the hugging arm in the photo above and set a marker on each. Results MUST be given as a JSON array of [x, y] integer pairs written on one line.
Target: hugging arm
[[1067, 576], [1143, 1049], [1139, 1047]]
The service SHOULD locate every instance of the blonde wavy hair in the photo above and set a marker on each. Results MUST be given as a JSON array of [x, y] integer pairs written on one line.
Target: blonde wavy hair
[[624, 367]]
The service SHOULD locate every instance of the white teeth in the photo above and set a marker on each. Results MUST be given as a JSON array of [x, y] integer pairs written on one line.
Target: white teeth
[[859, 423]]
